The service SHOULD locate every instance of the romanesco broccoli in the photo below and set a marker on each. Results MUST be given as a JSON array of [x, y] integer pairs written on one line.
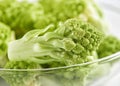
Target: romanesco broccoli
[[6, 35], [110, 45], [73, 42], [24, 16], [20, 16], [20, 78]]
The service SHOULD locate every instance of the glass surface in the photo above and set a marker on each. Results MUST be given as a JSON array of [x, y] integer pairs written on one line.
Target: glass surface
[[73, 75]]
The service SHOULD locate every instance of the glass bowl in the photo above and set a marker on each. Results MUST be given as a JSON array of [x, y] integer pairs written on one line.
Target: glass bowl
[[95, 73], [74, 75]]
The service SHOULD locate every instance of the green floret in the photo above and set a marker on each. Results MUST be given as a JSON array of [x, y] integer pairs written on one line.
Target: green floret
[[62, 43], [24, 16], [110, 45], [61, 10], [20, 16], [20, 78], [6, 35], [75, 76], [72, 42], [21, 65]]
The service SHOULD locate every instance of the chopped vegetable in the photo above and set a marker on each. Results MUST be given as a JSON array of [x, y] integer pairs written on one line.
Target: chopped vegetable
[[55, 33], [24, 16], [110, 45], [73, 42], [21, 78], [6, 35]]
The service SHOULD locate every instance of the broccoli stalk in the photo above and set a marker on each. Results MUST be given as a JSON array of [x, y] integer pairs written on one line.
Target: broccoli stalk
[[6, 35]]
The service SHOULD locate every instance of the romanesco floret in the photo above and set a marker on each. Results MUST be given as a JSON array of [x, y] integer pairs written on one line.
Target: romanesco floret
[[62, 10], [21, 65], [62, 43], [24, 16], [20, 16], [110, 45], [6, 35], [20, 78], [73, 42]]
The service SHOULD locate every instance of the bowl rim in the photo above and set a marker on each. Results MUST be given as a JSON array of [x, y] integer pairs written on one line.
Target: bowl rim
[[98, 61]]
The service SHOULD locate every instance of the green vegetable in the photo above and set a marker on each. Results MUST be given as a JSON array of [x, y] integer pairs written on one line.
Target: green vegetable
[[63, 42], [24, 16], [75, 76], [20, 78], [21, 65], [6, 35], [73, 42], [61, 10], [20, 16], [110, 45]]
